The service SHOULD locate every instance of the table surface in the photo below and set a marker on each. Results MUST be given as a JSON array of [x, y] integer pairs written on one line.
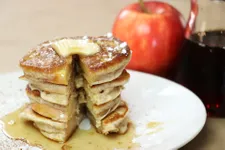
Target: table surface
[[25, 23]]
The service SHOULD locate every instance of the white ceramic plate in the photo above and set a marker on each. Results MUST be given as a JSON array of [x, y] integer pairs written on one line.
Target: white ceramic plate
[[180, 113]]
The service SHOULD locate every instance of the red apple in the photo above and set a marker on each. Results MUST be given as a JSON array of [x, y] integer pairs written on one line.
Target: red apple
[[154, 36]]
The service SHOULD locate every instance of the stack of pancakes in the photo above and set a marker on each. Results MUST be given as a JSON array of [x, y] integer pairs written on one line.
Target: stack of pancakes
[[53, 108], [61, 88]]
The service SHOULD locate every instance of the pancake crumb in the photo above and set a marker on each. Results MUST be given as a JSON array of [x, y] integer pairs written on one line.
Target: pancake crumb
[[85, 37], [123, 45], [109, 35], [109, 49], [124, 51], [62, 116], [11, 122]]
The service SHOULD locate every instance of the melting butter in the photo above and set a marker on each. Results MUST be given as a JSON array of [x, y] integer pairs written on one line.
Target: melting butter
[[80, 140], [68, 47]]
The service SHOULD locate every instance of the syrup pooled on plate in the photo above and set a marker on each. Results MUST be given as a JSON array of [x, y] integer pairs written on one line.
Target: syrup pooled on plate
[[16, 128]]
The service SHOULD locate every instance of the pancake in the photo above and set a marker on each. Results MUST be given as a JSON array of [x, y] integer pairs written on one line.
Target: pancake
[[101, 111], [48, 87], [57, 131], [105, 96], [105, 92], [120, 81], [29, 115], [108, 64], [52, 110], [115, 122], [54, 98], [44, 64]]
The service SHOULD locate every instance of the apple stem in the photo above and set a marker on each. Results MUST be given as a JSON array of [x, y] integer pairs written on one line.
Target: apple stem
[[142, 5]]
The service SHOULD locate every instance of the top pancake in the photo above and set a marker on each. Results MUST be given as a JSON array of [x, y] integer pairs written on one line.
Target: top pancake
[[44, 63], [108, 64], [43, 58], [113, 52]]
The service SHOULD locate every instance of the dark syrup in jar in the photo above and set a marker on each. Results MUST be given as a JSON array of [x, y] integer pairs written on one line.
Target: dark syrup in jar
[[201, 68]]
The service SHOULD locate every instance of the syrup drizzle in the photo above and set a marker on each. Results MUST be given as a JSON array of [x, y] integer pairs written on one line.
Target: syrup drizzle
[[81, 139]]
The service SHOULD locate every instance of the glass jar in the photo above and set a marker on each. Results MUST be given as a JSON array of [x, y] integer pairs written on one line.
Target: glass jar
[[201, 63]]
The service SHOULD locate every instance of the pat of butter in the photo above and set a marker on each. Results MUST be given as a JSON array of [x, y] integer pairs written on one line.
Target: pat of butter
[[67, 47]]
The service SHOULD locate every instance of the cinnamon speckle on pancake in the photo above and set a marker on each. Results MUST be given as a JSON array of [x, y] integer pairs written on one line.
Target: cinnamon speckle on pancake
[[43, 58], [112, 53]]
